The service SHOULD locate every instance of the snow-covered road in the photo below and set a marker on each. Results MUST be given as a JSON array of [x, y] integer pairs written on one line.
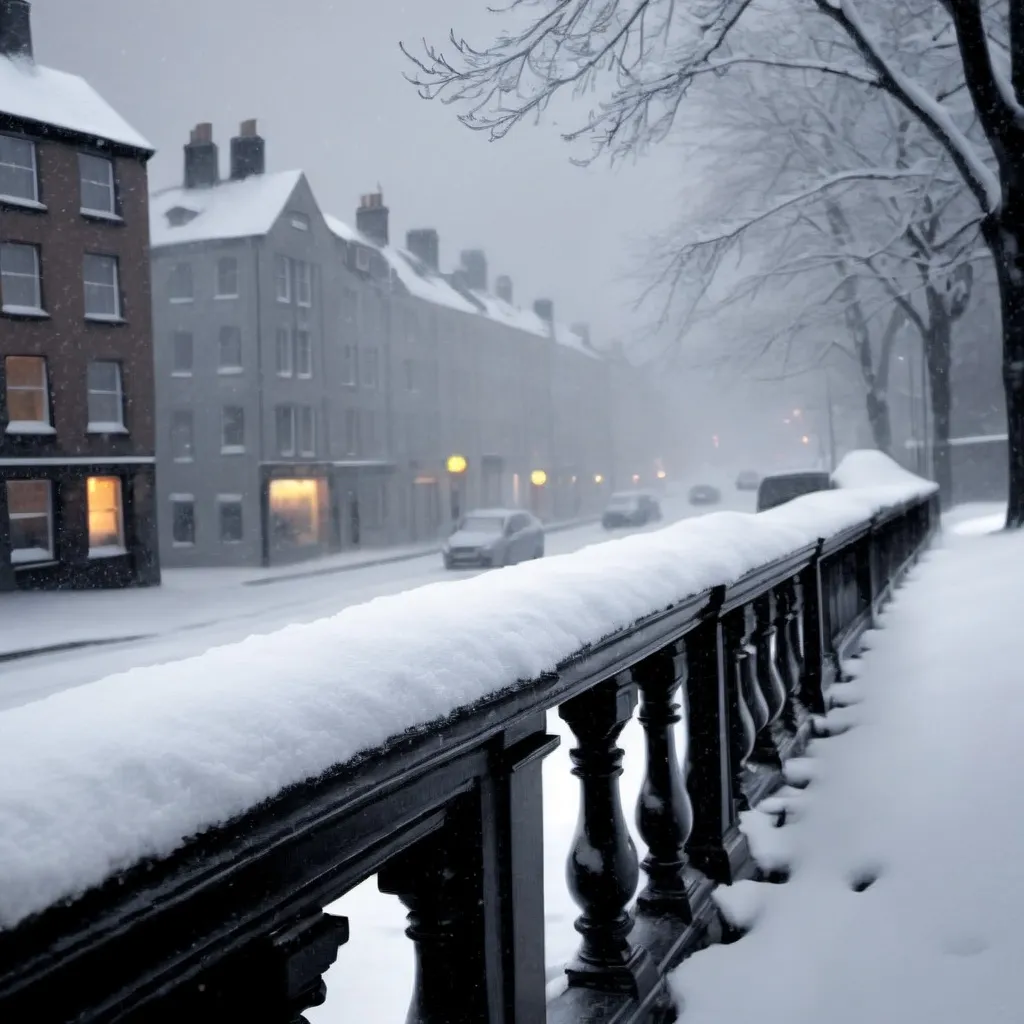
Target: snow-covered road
[[201, 608]]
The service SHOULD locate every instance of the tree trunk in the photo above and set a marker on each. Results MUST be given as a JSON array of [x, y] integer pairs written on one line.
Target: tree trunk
[[880, 420], [1005, 237], [938, 356]]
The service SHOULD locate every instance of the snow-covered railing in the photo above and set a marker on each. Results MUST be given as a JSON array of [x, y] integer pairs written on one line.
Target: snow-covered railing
[[170, 837]]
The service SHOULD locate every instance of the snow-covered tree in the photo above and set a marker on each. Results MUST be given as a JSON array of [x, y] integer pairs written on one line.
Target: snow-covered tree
[[641, 58]]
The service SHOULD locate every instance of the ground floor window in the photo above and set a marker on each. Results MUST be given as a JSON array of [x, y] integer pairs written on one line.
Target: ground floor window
[[230, 514], [183, 519], [106, 517], [30, 510], [298, 512]]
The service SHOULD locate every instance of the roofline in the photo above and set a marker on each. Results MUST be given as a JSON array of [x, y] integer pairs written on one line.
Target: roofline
[[54, 132]]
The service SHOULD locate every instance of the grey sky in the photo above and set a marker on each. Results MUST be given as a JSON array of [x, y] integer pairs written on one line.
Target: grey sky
[[324, 78]]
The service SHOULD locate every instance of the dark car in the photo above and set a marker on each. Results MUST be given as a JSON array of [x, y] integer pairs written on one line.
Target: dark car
[[705, 494], [748, 480], [777, 490], [630, 508], [494, 537]]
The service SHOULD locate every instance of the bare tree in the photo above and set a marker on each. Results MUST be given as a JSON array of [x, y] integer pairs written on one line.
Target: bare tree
[[641, 58]]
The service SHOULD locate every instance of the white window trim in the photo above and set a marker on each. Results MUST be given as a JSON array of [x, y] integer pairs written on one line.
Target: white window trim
[[310, 452], [108, 426], [182, 300], [112, 550], [218, 294], [307, 279], [289, 348], [285, 298], [188, 372], [89, 211], [183, 499], [33, 203], [37, 309], [192, 432], [49, 554], [231, 449], [234, 368], [362, 259], [290, 452], [41, 427], [116, 317], [308, 373], [230, 499]]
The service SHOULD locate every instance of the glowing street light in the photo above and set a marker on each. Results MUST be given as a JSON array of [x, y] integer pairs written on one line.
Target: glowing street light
[[598, 479], [636, 478], [538, 478], [456, 464], [661, 474], [805, 439], [796, 414]]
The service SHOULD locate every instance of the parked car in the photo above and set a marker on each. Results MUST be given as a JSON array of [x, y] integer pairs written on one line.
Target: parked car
[[777, 490], [705, 494], [494, 537], [630, 508], [748, 480]]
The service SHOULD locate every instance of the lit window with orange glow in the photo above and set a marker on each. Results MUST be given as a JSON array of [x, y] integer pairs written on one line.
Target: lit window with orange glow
[[106, 517]]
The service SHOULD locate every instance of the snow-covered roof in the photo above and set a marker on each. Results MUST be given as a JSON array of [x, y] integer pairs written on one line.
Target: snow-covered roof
[[36, 93], [230, 209]]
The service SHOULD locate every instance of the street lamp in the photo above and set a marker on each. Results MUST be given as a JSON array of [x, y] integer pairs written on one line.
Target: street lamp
[[456, 465], [538, 478], [598, 478], [661, 474]]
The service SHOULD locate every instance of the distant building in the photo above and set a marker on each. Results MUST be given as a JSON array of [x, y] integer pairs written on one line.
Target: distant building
[[321, 389], [77, 489]]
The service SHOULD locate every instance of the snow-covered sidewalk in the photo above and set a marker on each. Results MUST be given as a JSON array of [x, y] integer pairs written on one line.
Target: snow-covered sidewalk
[[906, 899]]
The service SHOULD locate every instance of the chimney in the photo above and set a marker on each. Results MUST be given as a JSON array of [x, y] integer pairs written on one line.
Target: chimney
[[248, 152], [15, 29], [202, 161], [503, 288], [545, 309], [474, 262], [459, 279], [423, 243], [582, 331], [372, 218]]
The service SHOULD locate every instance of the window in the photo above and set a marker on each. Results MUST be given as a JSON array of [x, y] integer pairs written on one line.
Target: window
[[284, 352], [230, 514], [18, 177], [182, 435], [102, 289], [351, 432], [282, 279], [230, 350], [303, 283], [369, 364], [227, 278], [285, 423], [30, 510], [183, 352], [96, 180], [363, 259], [106, 399], [183, 520], [28, 395], [180, 285], [410, 374], [106, 522], [369, 432], [299, 221], [307, 431], [20, 287], [303, 354], [232, 430], [349, 369]]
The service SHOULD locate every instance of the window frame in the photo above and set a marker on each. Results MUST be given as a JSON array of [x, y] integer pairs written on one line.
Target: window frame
[[175, 370], [38, 427], [180, 300], [306, 417], [229, 369], [16, 563], [179, 415], [92, 211], [118, 315], [284, 335], [13, 309], [351, 377], [190, 501], [236, 500], [303, 283], [106, 426], [283, 275], [218, 279], [227, 448], [291, 451], [32, 202], [300, 372], [353, 432], [369, 362], [108, 550]]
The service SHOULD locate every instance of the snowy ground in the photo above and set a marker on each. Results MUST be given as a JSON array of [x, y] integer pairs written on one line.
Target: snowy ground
[[195, 609], [917, 796]]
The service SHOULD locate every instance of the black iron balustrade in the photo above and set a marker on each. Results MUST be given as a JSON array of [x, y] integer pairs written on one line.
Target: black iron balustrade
[[233, 926]]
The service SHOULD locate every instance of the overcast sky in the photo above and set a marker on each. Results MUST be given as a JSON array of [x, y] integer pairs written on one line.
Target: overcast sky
[[324, 78]]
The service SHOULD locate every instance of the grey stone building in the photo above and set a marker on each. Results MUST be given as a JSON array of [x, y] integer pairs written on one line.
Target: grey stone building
[[320, 388]]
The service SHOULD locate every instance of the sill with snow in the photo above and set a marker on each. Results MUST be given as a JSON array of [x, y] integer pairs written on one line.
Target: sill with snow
[[29, 556], [22, 203], [108, 551], [232, 449], [107, 215], [105, 318], [106, 428], [229, 371], [30, 427], [31, 311]]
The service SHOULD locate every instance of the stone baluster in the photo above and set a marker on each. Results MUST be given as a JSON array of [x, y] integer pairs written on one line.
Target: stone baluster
[[664, 814], [788, 632], [772, 687], [602, 870], [748, 712]]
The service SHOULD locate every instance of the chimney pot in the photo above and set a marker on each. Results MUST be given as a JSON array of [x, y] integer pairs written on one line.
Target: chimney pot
[[16, 29], [372, 218], [424, 244], [247, 129], [248, 152]]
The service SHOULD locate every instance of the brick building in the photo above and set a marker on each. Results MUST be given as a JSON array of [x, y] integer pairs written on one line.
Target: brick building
[[77, 457]]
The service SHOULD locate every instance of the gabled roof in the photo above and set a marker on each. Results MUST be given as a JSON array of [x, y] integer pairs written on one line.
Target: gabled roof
[[230, 209], [31, 92]]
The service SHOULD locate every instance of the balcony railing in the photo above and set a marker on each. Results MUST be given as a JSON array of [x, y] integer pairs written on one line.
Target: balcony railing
[[232, 927]]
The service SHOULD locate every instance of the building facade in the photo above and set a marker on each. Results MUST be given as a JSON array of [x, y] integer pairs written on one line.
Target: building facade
[[77, 486], [321, 389]]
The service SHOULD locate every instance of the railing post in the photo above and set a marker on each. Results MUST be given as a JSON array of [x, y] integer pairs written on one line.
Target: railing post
[[602, 870], [812, 692], [664, 814], [716, 846], [790, 655], [867, 579], [771, 739]]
